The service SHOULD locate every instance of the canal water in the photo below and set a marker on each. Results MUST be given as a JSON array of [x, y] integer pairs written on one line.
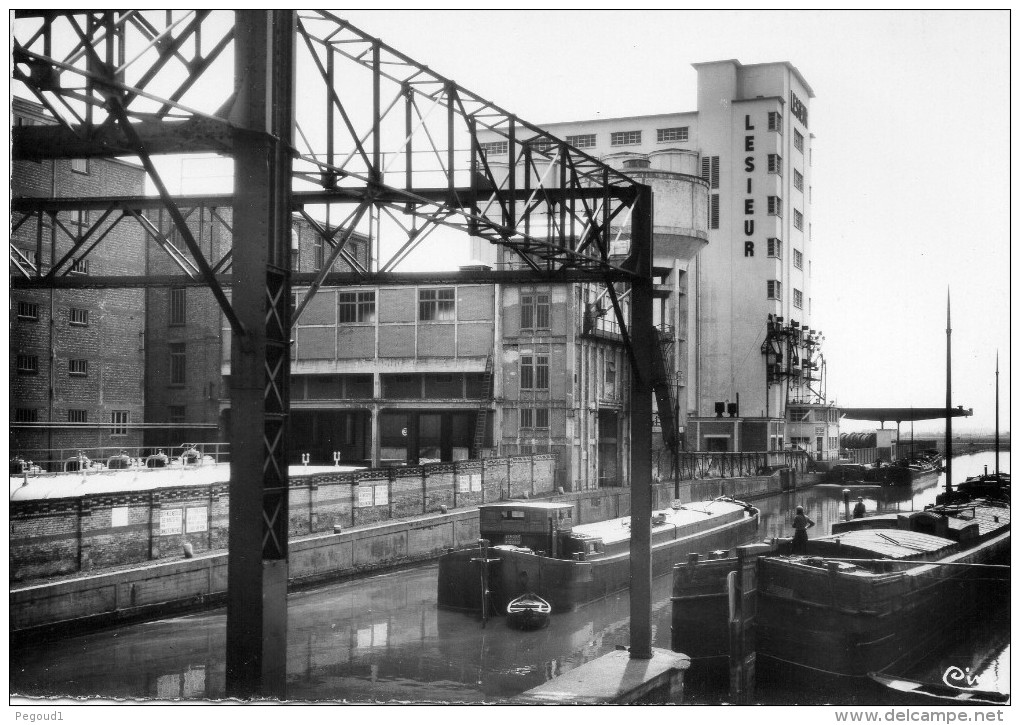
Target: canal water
[[382, 638]]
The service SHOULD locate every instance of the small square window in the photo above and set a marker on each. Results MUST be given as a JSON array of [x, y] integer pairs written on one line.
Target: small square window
[[527, 417], [79, 317], [28, 364], [78, 368], [177, 413], [436, 305], [541, 417], [80, 266], [26, 415], [80, 166], [28, 311]]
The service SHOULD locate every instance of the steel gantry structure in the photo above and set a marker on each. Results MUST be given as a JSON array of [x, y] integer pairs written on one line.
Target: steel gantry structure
[[324, 121]]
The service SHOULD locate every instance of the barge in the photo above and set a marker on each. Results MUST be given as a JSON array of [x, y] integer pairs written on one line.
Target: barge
[[874, 595], [536, 548]]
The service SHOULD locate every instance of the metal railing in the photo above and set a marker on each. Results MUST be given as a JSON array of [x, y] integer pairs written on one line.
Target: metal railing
[[707, 464], [61, 460]]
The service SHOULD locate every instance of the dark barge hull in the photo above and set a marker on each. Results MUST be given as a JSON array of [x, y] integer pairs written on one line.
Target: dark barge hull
[[568, 584], [813, 621]]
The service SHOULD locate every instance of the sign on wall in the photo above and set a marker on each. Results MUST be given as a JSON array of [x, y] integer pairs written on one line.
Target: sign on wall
[[198, 519], [364, 496], [119, 516], [469, 482], [170, 522]]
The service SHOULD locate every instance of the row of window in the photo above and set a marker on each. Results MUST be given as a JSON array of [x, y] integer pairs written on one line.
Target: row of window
[[29, 312], [534, 418], [588, 140], [774, 291], [119, 419]]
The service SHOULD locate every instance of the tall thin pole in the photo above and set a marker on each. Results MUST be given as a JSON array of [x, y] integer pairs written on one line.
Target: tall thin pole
[[949, 399], [996, 413]]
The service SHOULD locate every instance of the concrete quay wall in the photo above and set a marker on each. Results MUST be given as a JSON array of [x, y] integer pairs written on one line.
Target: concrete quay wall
[[163, 587]]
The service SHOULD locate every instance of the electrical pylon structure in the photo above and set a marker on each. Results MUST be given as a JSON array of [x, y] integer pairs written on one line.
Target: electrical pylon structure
[[322, 120]]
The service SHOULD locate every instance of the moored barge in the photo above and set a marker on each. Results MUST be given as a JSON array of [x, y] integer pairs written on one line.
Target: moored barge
[[874, 595], [536, 548]]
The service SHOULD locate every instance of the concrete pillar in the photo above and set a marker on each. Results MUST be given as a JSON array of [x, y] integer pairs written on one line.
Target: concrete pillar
[[256, 644], [375, 431]]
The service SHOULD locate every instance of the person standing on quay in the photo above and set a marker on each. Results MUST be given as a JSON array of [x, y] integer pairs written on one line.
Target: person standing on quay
[[801, 524]]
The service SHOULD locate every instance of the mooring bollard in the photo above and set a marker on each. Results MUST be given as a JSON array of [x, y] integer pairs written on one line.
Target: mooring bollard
[[846, 504]]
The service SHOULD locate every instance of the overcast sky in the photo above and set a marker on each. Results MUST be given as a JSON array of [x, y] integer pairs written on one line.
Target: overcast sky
[[911, 158]]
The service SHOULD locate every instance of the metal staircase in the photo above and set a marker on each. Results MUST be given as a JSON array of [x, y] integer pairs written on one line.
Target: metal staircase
[[483, 408], [662, 384]]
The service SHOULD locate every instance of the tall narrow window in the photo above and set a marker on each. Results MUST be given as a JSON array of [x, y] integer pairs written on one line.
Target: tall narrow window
[[798, 298], [436, 305], [534, 372], [710, 170], [775, 206], [798, 140], [118, 422], [527, 417], [357, 307], [798, 259], [177, 413], [534, 311], [775, 121], [775, 247], [798, 180], [713, 212], [80, 266], [178, 306], [541, 417], [774, 289], [775, 164], [178, 363], [798, 219]]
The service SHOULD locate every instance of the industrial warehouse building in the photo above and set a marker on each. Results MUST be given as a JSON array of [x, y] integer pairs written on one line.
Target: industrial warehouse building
[[750, 348], [444, 372]]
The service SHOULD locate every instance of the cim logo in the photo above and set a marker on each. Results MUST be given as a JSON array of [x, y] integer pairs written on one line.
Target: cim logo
[[959, 679]]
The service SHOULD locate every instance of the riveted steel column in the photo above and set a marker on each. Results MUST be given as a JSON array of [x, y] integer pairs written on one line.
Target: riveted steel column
[[642, 341], [256, 656]]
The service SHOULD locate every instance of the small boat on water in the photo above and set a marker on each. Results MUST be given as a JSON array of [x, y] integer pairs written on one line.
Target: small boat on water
[[536, 548], [528, 611]]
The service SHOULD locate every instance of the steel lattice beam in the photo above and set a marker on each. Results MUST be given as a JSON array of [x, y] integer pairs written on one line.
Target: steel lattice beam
[[375, 132]]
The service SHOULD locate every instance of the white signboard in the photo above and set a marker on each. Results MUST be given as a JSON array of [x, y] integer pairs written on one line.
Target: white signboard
[[198, 520], [382, 495], [119, 516], [364, 496], [170, 521]]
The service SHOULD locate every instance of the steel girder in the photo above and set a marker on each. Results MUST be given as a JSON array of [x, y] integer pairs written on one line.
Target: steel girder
[[376, 132]]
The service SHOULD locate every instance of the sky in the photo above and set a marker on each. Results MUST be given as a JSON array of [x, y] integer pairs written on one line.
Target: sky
[[911, 171], [911, 166]]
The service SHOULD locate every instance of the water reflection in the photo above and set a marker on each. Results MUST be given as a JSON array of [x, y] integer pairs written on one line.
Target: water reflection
[[383, 639]]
